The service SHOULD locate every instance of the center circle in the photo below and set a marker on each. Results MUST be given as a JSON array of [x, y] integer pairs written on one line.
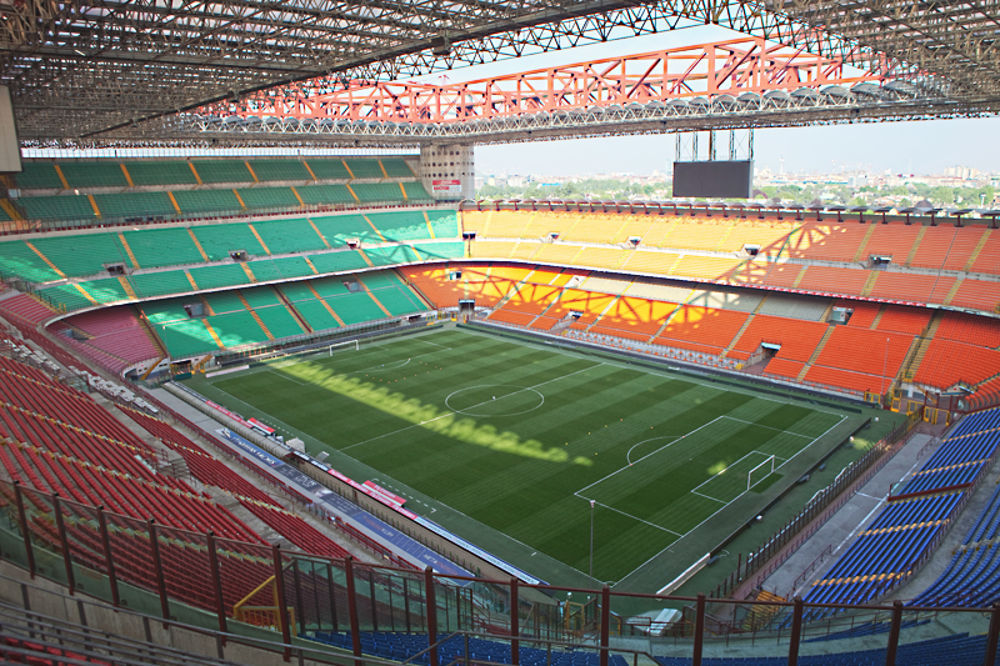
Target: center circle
[[494, 400]]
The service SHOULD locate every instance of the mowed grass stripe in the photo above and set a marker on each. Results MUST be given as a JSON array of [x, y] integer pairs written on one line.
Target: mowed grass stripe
[[517, 473]]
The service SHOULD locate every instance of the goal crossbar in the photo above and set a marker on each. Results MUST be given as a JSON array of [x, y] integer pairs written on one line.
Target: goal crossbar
[[767, 461], [354, 344]]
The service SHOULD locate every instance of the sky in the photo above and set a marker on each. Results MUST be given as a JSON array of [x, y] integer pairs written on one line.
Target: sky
[[918, 147], [922, 148]]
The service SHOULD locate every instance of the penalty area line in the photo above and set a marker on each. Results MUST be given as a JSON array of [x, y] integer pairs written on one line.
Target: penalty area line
[[629, 515]]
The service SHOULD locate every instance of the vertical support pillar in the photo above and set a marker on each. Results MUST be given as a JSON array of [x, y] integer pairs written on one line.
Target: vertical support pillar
[[793, 640], [897, 623], [333, 597], [992, 637], [22, 518], [515, 623], [282, 603], [64, 543], [213, 566], [699, 630], [109, 563], [300, 611], [161, 581], [352, 609], [431, 609], [371, 595], [605, 624], [406, 602]]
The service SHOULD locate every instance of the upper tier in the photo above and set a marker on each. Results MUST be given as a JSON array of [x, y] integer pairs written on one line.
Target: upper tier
[[97, 191]]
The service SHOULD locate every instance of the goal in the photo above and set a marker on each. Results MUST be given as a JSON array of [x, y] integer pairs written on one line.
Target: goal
[[760, 471], [344, 345]]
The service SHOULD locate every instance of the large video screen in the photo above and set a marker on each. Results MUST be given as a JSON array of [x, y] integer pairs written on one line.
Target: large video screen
[[721, 179]]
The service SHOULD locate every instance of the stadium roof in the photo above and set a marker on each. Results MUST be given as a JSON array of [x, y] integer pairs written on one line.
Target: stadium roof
[[119, 70]]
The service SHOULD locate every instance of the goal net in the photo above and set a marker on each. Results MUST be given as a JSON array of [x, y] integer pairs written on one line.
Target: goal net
[[344, 345], [760, 471]]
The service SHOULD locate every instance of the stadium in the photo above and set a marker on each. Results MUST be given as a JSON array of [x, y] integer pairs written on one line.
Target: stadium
[[277, 385]]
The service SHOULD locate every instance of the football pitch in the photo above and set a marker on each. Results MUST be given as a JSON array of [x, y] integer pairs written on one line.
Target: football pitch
[[522, 447]]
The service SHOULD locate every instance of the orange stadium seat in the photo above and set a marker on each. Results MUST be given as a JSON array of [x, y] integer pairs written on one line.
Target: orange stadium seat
[[864, 350], [977, 294], [988, 259], [855, 381], [783, 367], [646, 261], [948, 362], [904, 320], [696, 324], [911, 287], [797, 338], [895, 240], [832, 242], [963, 327], [705, 268], [939, 244], [827, 279], [590, 303], [962, 249], [769, 234], [638, 315], [864, 312]]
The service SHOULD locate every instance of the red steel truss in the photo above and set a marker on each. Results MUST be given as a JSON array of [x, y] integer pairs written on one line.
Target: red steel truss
[[733, 67]]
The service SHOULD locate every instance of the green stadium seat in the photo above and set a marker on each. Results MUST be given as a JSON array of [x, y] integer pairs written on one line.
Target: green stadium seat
[[415, 191], [224, 301], [397, 168], [218, 240], [272, 170], [157, 172], [237, 328], [391, 254], [224, 275], [356, 307], [364, 168], [258, 198], [38, 176], [207, 201], [163, 247], [285, 236], [444, 223], [185, 338], [322, 195], [135, 204], [261, 297], [404, 225], [223, 171], [106, 290], [96, 173], [159, 284], [328, 168], [297, 291], [18, 260], [316, 315], [338, 229], [4, 217], [57, 207], [334, 262], [398, 300], [82, 254], [329, 287], [373, 192], [275, 269], [163, 312], [279, 321], [447, 250]]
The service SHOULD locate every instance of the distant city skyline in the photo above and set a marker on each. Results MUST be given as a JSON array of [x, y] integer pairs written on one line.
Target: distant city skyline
[[918, 147]]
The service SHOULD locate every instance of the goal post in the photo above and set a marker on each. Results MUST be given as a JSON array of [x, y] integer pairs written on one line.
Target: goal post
[[760, 471], [344, 345]]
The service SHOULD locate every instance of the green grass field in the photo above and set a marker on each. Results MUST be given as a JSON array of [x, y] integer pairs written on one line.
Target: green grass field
[[507, 443]]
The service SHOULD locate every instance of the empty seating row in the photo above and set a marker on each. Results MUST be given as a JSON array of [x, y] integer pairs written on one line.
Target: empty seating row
[[83, 174]]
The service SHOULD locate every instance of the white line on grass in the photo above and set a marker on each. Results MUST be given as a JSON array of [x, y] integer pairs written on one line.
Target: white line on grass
[[629, 515], [654, 452], [760, 425], [709, 497], [451, 413], [721, 508], [288, 377]]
